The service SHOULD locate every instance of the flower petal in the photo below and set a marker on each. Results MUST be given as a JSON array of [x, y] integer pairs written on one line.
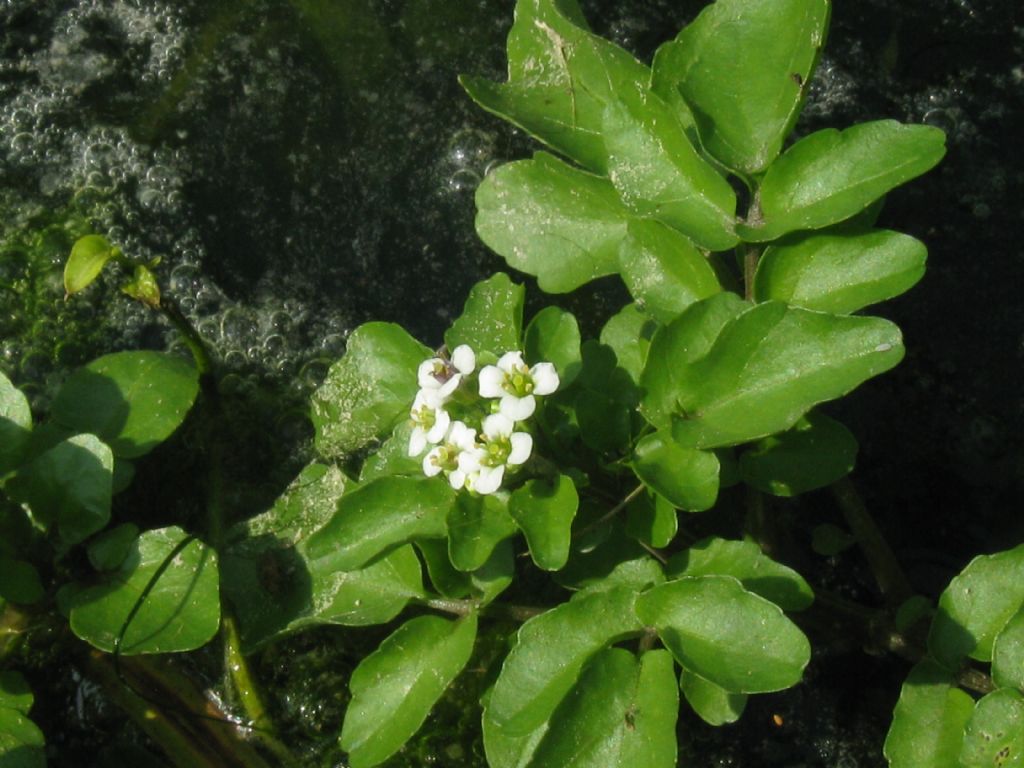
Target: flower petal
[[430, 466], [425, 373], [457, 479], [491, 380], [464, 359], [497, 425], [517, 408], [510, 362], [462, 437], [545, 378], [440, 428], [417, 441], [522, 445], [469, 461], [489, 480]]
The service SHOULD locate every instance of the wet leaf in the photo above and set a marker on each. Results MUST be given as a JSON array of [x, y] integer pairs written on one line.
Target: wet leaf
[[548, 219], [475, 526], [132, 400], [560, 77], [379, 517], [492, 319], [181, 611], [368, 391], [553, 336], [727, 635], [840, 273], [88, 256], [664, 272], [771, 365], [659, 174], [743, 66], [620, 714], [628, 333], [15, 425], [549, 653], [394, 688], [830, 175], [1008, 653]]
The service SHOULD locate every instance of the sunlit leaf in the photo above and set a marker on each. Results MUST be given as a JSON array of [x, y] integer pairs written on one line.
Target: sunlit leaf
[[713, 704], [553, 336], [743, 68], [1008, 653], [831, 175], [394, 688], [993, 737], [88, 256], [475, 526], [15, 425], [131, 400], [544, 511], [727, 635], [180, 612], [628, 333], [686, 477], [492, 319], [928, 723]]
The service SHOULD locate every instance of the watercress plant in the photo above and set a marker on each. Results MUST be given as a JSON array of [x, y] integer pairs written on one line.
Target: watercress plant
[[521, 475]]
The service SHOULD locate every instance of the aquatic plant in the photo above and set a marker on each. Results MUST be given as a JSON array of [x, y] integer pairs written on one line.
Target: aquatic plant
[[525, 483]]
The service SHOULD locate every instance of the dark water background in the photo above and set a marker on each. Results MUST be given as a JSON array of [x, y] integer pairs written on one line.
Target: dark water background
[[305, 166]]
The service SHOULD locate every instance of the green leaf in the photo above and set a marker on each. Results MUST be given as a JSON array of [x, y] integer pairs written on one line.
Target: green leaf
[[675, 348], [475, 526], [1008, 653], [143, 287], [831, 175], [21, 742], [132, 400], [743, 560], [621, 714], [109, 549], [544, 510], [549, 652], [506, 750], [15, 425], [560, 77], [548, 219], [658, 173], [975, 606], [553, 335], [815, 452], [743, 66], [70, 485], [994, 737], [714, 705], [492, 319], [444, 578], [369, 390], [652, 520], [19, 582], [829, 540], [628, 333], [14, 692], [88, 256], [771, 365], [395, 687], [392, 458], [730, 637], [180, 612], [928, 723], [663, 270], [495, 576], [840, 273], [378, 517], [687, 478], [275, 588]]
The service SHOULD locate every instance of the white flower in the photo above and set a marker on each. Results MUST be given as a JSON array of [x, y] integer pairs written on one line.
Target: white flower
[[430, 421], [444, 376], [516, 384], [502, 448], [453, 455]]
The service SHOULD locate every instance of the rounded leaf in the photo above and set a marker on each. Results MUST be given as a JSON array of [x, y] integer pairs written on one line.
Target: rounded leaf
[[713, 704], [553, 336], [1008, 653], [727, 635], [687, 478], [132, 400], [994, 737], [544, 511], [88, 255], [15, 425], [180, 611], [492, 318]]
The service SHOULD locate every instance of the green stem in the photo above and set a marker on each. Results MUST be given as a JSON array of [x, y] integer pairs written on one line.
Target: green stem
[[610, 513], [466, 607], [190, 335], [891, 580], [751, 255]]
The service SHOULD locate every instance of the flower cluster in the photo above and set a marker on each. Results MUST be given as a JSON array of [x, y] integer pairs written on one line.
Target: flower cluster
[[446, 405]]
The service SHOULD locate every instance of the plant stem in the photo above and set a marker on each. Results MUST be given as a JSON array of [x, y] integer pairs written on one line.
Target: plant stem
[[891, 580], [751, 255], [466, 607], [190, 335]]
